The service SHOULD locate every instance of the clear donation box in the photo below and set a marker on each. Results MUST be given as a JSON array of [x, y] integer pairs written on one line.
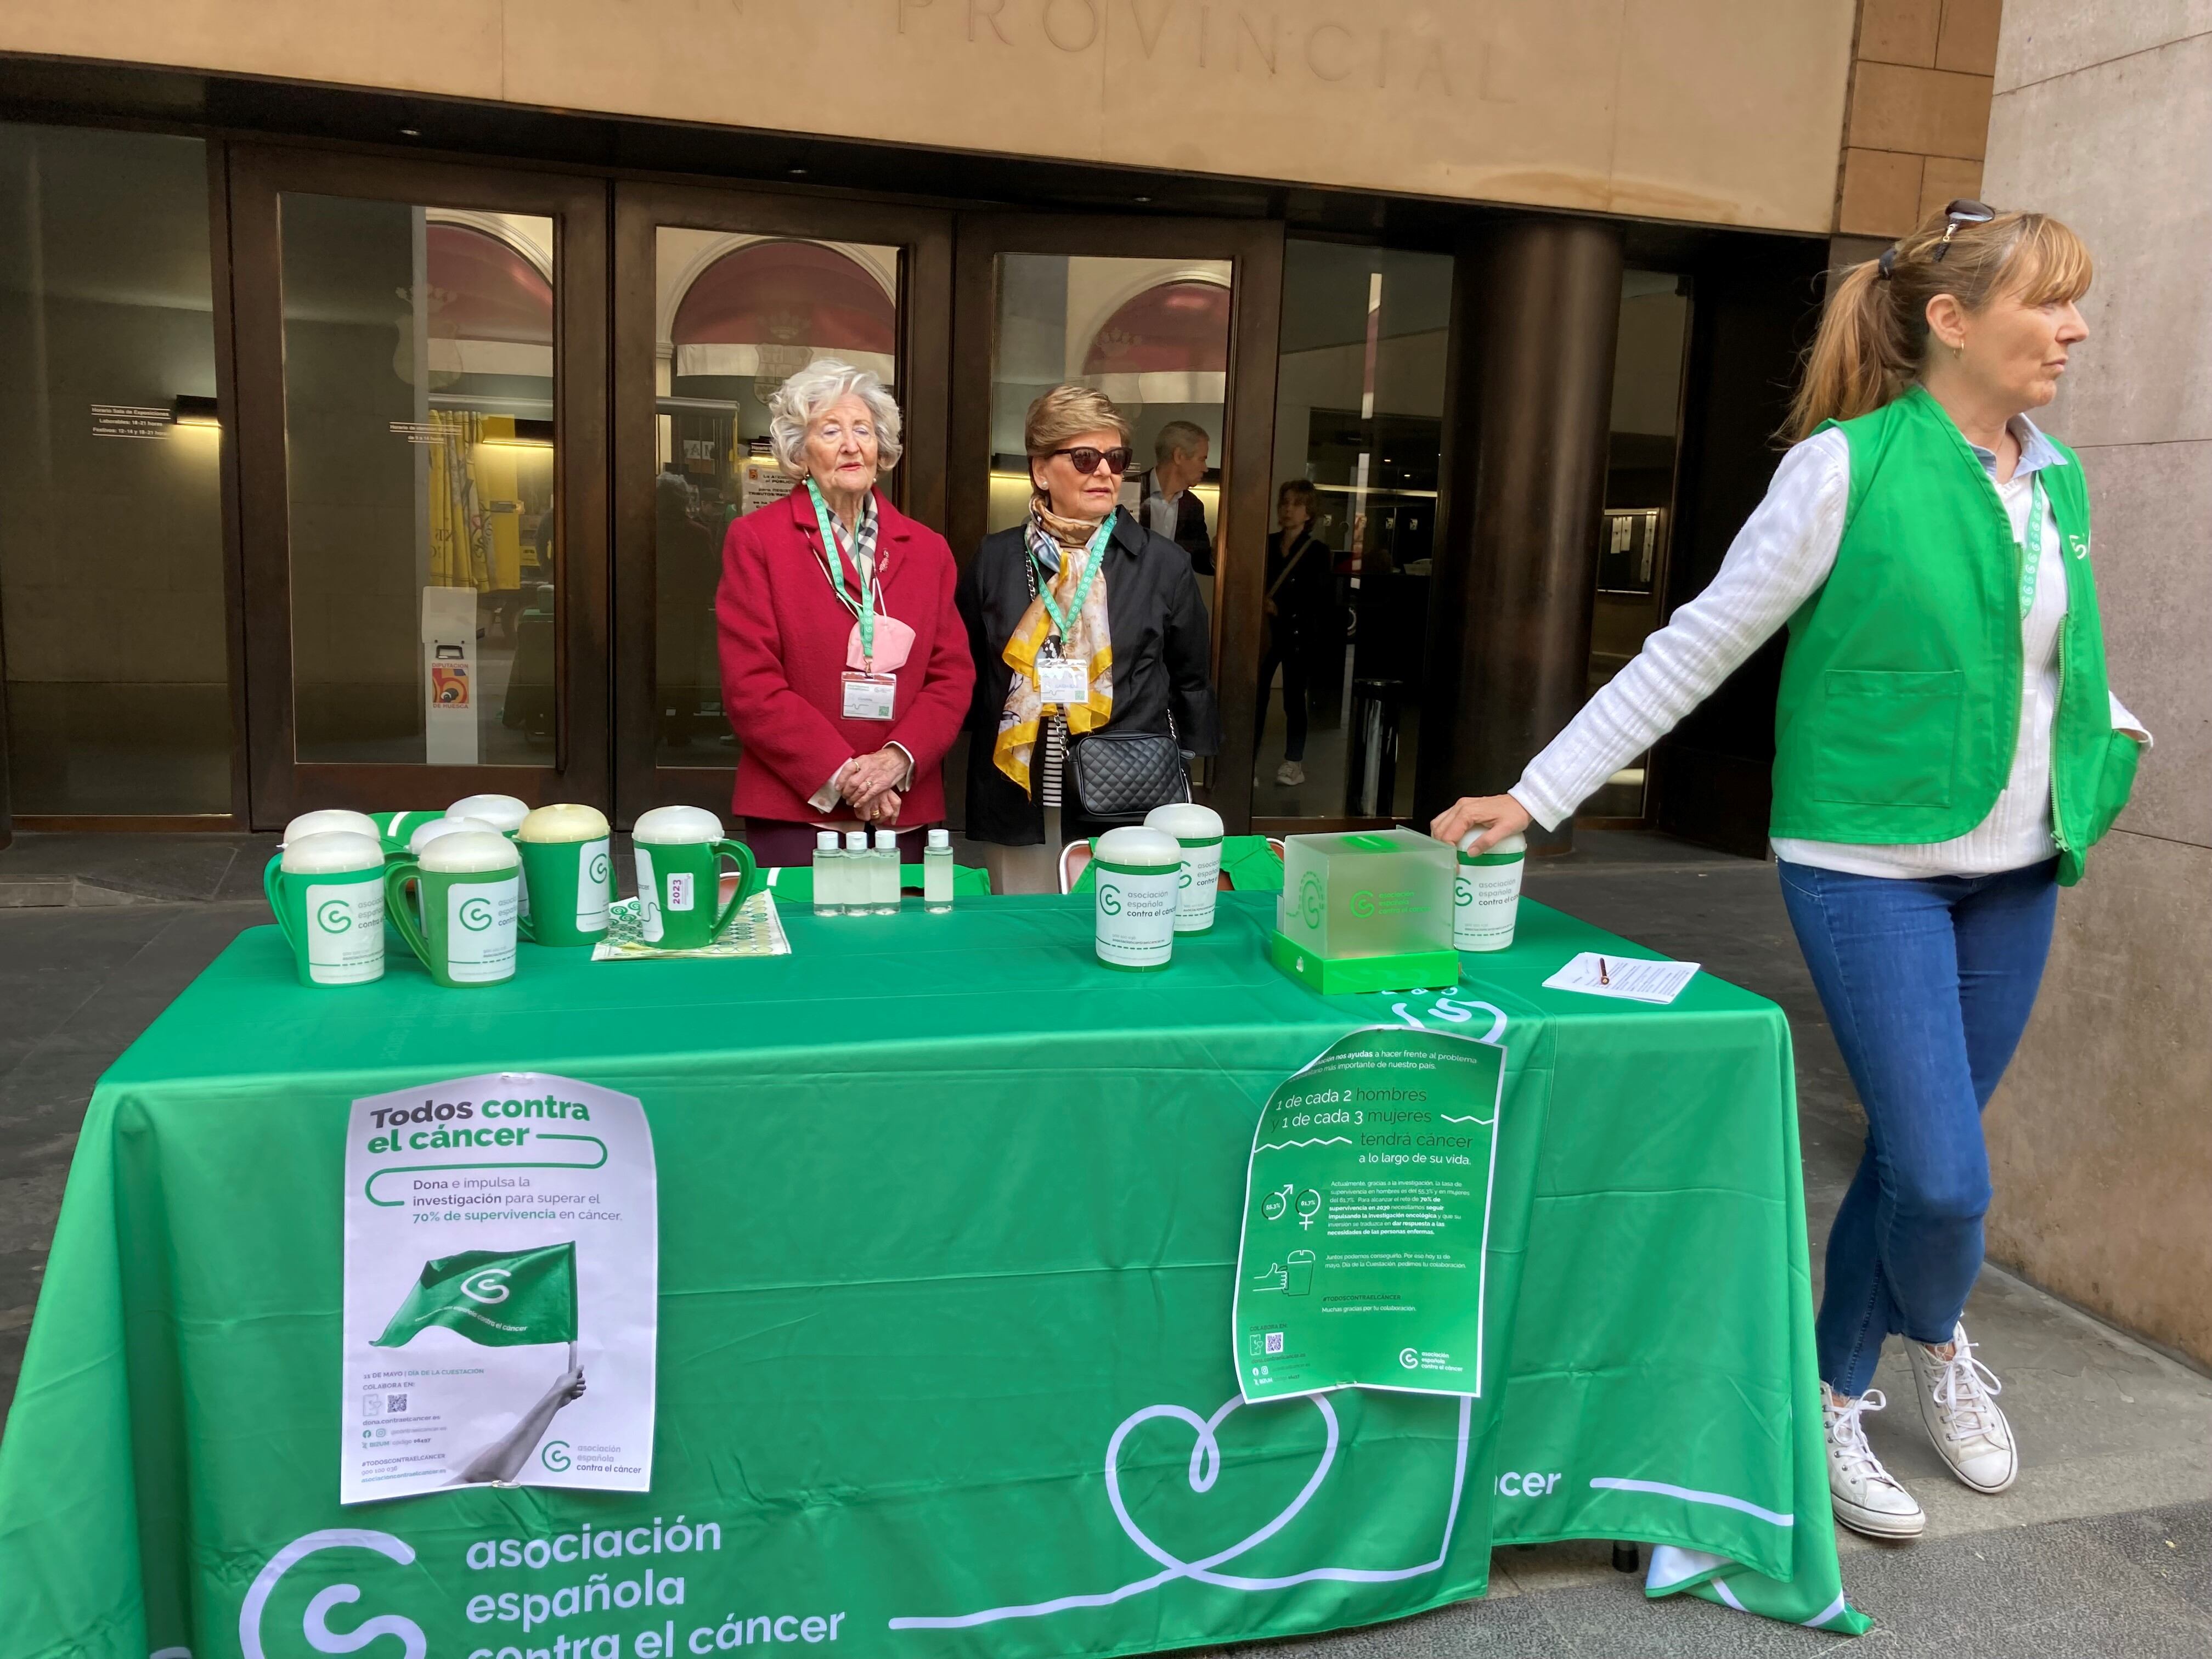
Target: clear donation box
[[1366, 910]]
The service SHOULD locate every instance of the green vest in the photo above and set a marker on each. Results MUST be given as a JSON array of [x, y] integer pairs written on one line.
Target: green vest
[[1899, 704]]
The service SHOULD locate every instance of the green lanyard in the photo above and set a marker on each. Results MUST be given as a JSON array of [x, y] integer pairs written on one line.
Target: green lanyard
[[1095, 554], [833, 546], [2031, 562]]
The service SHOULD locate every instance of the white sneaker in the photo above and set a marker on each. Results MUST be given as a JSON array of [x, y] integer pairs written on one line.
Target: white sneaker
[[1867, 1497], [1962, 1418], [1290, 772]]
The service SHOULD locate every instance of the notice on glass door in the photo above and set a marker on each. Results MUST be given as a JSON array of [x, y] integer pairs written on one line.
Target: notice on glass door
[[1366, 1218]]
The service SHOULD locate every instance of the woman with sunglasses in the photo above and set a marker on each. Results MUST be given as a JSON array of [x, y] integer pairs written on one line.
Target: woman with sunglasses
[[1945, 753], [1082, 623]]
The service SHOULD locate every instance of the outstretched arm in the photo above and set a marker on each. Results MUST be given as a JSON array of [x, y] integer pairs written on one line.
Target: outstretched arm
[[1778, 560], [503, 1459]]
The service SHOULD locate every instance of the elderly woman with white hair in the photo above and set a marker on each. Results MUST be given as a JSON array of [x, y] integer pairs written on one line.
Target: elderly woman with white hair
[[846, 672]]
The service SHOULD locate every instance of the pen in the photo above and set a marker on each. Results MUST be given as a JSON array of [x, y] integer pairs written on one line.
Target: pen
[[1603, 977]]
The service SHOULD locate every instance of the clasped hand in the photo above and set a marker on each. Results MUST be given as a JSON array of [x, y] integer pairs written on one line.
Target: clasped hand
[[870, 784]]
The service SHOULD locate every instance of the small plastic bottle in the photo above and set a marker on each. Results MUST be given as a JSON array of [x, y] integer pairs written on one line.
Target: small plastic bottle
[[937, 873], [857, 868], [828, 875], [884, 877]]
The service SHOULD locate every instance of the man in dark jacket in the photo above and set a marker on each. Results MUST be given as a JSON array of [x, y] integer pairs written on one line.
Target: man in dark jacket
[[1166, 505]]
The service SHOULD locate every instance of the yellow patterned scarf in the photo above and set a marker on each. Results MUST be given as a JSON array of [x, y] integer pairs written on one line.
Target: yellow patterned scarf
[[1019, 722]]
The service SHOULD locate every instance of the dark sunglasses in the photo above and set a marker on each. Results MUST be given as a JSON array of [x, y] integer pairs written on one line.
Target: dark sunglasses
[[1086, 459], [1964, 211]]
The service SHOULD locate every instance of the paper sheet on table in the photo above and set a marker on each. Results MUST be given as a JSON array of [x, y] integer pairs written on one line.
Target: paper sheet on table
[[758, 931], [1631, 978]]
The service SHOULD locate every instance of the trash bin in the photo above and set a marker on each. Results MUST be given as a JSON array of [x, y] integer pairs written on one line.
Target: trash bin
[[1370, 760]]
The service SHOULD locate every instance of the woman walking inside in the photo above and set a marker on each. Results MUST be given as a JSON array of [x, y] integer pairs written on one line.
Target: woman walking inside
[[1945, 753]]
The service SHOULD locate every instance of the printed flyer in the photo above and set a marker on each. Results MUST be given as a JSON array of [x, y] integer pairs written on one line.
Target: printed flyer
[[502, 1288], [1366, 1217]]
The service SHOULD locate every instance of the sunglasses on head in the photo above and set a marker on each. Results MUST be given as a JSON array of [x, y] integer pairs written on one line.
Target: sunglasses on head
[[1963, 211], [1086, 459]]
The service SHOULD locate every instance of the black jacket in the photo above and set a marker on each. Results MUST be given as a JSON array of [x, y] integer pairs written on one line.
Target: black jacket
[[1190, 533], [1305, 599], [1162, 657]]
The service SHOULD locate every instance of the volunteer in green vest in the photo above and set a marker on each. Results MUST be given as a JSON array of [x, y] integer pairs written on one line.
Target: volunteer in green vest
[[1945, 754]]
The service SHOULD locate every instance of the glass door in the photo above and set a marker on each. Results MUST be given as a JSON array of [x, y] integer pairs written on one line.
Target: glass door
[[422, 356], [720, 296], [1175, 320]]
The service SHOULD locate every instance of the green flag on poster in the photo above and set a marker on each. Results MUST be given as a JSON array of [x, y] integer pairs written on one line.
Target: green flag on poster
[[502, 1299]]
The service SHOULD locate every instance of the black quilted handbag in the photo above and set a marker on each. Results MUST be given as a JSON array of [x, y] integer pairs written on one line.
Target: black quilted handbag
[[1120, 776]]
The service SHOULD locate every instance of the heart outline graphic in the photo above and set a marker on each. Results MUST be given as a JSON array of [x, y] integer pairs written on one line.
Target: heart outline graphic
[[1205, 1470]]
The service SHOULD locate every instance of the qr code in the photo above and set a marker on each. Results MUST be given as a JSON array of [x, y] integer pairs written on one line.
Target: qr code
[[1274, 1342], [394, 1403]]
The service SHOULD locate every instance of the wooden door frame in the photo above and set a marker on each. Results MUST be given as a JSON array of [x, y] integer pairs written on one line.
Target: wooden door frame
[[925, 239], [281, 785], [1255, 251]]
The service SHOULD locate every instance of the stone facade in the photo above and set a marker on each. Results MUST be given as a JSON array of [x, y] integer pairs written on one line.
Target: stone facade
[[1921, 76], [2102, 1134]]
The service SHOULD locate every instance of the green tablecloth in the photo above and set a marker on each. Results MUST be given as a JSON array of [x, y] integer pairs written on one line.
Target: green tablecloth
[[945, 1210]]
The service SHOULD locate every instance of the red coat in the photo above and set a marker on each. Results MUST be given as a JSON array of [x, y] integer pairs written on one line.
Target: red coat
[[783, 636]]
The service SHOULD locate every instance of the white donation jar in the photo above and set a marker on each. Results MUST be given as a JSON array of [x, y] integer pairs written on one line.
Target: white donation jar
[[1487, 899], [1197, 829], [1137, 872]]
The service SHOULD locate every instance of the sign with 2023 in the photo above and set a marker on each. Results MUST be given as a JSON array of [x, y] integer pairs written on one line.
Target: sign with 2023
[[1366, 1216]]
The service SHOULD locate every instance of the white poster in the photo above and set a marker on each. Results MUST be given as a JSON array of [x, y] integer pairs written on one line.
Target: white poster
[[502, 1288]]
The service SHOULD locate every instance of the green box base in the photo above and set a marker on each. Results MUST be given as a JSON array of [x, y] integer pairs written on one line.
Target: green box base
[[1416, 971]]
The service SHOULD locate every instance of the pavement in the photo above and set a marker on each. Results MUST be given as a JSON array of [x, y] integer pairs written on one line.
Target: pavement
[[2102, 1548]]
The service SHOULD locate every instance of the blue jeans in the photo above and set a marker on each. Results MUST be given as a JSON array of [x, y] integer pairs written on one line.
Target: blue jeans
[[1928, 984]]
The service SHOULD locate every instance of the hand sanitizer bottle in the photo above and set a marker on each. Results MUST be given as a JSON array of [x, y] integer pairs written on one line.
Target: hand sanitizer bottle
[[937, 873], [883, 879], [828, 875], [857, 867]]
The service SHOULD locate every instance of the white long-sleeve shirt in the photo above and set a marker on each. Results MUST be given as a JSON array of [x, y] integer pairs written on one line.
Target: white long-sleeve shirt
[[1779, 559]]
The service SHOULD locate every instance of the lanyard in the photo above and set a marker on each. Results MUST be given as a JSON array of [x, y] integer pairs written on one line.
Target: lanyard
[[833, 542], [1096, 553], [2031, 562]]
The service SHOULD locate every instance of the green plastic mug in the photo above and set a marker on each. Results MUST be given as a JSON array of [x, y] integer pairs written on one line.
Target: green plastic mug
[[505, 813], [327, 892], [568, 870], [460, 919], [679, 851]]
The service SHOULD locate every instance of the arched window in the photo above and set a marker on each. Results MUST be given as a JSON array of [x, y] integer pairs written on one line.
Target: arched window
[[768, 308], [1180, 327]]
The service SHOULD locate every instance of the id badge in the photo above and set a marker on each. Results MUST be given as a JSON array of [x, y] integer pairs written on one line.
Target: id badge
[[1063, 680], [869, 696]]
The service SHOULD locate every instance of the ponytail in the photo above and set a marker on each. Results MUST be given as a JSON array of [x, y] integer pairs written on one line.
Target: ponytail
[[1862, 358], [1873, 337]]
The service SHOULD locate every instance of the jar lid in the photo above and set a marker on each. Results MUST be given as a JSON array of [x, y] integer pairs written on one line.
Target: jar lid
[[1135, 847], [327, 819], [565, 821], [1186, 820], [1511, 846], [331, 851], [466, 851], [424, 834], [503, 813], [675, 826]]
